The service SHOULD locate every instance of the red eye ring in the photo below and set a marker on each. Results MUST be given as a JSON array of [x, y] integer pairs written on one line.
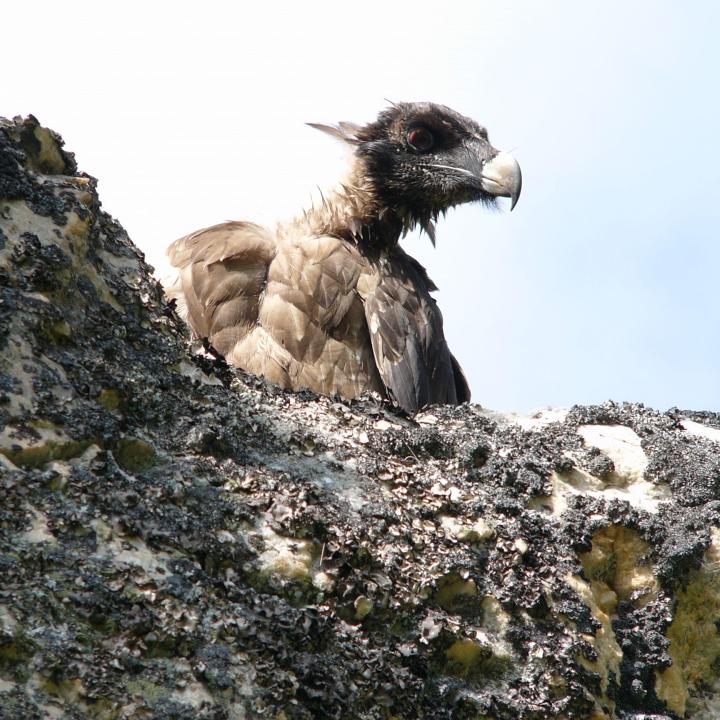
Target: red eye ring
[[420, 139]]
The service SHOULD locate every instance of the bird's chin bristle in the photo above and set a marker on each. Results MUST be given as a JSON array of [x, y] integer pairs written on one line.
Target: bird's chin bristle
[[490, 203], [428, 227]]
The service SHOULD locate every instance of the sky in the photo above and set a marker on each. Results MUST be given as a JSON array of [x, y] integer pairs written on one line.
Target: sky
[[601, 284]]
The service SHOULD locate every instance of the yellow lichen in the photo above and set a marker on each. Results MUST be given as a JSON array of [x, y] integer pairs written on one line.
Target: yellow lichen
[[38, 455], [452, 588], [290, 566], [475, 660], [70, 690], [618, 570], [60, 331], [618, 567], [42, 424], [49, 159], [109, 398], [289, 558], [693, 634], [604, 643], [363, 607], [149, 691], [465, 654], [134, 455]]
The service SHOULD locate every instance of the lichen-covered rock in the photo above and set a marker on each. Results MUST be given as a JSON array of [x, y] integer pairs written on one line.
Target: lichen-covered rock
[[181, 540]]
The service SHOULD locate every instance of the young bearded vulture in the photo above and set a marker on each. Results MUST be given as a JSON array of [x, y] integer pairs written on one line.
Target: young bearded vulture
[[330, 301]]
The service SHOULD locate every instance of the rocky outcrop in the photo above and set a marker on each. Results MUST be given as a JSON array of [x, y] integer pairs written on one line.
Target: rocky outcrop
[[181, 540]]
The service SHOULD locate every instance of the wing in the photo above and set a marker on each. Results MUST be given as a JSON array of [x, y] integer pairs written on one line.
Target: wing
[[286, 309], [222, 272], [406, 331], [312, 322]]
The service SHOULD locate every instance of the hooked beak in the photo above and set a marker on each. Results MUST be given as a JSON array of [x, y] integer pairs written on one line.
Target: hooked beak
[[501, 177]]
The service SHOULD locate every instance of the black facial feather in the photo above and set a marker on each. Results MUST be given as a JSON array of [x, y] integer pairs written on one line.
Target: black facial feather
[[424, 158]]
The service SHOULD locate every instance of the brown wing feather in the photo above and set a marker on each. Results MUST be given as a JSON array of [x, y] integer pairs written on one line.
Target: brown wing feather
[[314, 315], [408, 342], [288, 310], [222, 271]]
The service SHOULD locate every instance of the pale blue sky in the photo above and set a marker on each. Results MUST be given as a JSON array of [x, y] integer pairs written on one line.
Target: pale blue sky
[[601, 284]]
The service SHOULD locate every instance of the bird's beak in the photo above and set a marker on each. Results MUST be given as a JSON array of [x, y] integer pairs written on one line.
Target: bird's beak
[[501, 176]]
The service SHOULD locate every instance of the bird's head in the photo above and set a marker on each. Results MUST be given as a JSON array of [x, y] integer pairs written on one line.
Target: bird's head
[[421, 159]]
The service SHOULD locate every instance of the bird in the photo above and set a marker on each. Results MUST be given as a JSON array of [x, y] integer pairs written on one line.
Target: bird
[[329, 301]]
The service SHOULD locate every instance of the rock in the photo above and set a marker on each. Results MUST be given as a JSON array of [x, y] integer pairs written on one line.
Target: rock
[[179, 539]]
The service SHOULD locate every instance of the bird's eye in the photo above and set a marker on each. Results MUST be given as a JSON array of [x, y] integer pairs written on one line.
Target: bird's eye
[[420, 139]]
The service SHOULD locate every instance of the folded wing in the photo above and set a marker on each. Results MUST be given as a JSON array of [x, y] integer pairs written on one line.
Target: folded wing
[[222, 272], [287, 309], [406, 332]]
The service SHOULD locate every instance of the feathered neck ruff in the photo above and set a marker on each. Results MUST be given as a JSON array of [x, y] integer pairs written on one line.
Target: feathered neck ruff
[[354, 211]]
